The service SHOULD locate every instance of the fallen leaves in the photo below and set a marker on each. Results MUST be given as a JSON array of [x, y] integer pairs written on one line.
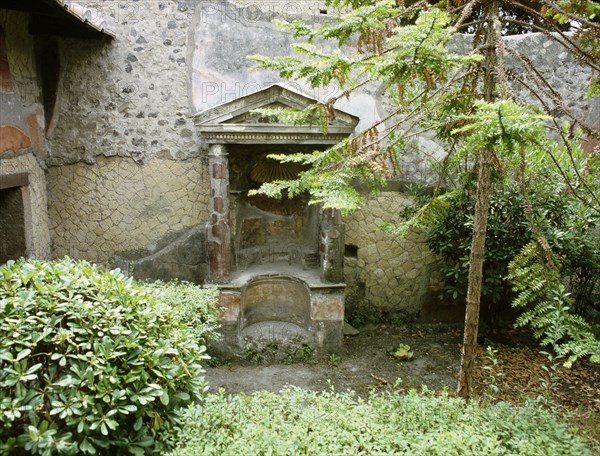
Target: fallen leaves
[[527, 373]]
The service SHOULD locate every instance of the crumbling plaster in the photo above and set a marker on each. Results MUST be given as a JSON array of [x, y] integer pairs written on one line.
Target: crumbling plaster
[[126, 164], [22, 110], [125, 168]]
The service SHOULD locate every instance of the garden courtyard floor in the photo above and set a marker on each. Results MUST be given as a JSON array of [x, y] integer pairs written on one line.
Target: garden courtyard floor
[[364, 364]]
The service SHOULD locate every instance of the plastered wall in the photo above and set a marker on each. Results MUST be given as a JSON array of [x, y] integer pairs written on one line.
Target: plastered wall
[[124, 167]]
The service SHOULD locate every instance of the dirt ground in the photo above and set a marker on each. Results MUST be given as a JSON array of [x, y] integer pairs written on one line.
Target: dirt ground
[[516, 371], [363, 364]]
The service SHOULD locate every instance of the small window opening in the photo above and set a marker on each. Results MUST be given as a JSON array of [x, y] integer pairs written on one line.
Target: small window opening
[[350, 251]]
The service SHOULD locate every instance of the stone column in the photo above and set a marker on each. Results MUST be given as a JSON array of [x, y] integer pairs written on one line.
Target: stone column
[[332, 246], [218, 233]]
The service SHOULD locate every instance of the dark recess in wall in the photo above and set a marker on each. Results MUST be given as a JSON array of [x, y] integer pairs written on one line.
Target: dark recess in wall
[[12, 224], [350, 251], [48, 64]]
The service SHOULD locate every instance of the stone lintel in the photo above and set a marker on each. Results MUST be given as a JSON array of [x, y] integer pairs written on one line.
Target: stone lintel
[[14, 180]]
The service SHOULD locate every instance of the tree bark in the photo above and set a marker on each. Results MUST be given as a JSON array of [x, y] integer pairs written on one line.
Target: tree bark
[[482, 205], [469, 348]]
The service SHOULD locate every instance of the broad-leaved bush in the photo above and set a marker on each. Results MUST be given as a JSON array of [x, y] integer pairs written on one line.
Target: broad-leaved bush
[[90, 361]]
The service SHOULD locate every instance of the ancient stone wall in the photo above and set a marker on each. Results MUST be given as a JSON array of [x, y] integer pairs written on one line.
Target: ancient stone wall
[[13, 242], [120, 206], [556, 65], [386, 274], [26, 163], [126, 170], [127, 97], [125, 174], [22, 144]]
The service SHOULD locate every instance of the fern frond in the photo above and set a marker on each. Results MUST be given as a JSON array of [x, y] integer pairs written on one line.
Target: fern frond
[[548, 306]]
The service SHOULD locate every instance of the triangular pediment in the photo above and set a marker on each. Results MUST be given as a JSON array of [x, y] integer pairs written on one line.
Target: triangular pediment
[[253, 117], [236, 119]]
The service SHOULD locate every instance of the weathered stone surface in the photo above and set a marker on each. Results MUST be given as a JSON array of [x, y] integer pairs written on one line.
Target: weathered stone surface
[[282, 299], [332, 246], [183, 258], [350, 330], [230, 306], [13, 139], [329, 334], [12, 225], [22, 143], [388, 274], [281, 307], [39, 244], [218, 232], [327, 306], [105, 86], [118, 205], [219, 258]]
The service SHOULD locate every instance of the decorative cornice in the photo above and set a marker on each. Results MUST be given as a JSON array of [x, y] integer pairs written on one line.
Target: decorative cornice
[[274, 138], [88, 16]]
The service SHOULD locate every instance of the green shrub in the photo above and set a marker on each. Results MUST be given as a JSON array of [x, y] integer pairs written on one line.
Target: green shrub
[[90, 361], [570, 231], [303, 422], [450, 232], [193, 305]]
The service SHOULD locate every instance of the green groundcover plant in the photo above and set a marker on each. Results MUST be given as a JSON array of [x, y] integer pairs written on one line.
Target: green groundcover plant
[[90, 361], [426, 423]]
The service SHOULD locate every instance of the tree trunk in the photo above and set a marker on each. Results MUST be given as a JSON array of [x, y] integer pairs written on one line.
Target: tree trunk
[[482, 205], [469, 348]]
